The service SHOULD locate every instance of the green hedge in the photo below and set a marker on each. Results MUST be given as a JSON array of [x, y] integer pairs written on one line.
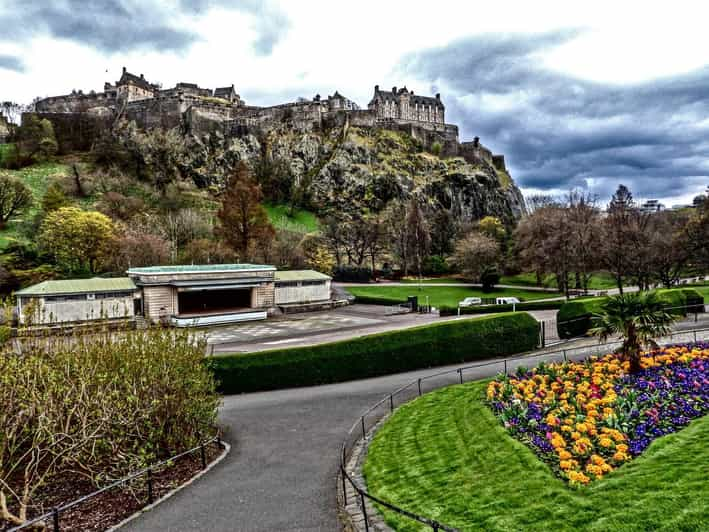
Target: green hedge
[[575, 317], [438, 344], [379, 300], [496, 309]]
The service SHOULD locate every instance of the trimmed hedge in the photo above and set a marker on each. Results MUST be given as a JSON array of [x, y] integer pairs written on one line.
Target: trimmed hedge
[[495, 309], [378, 354], [575, 317], [379, 300]]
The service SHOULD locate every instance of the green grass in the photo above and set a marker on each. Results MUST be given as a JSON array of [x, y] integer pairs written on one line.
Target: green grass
[[447, 457], [598, 280], [302, 221], [444, 295], [37, 177], [432, 280]]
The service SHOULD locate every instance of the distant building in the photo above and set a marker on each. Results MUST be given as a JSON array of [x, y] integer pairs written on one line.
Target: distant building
[[651, 206], [402, 104], [182, 296], [132, 88]]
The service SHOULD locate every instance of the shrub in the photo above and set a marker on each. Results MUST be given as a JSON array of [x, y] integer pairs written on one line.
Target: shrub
[[575, 317], [99, 405], [379, 354]]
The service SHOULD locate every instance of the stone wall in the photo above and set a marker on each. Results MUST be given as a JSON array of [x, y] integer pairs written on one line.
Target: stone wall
[[75, 103]]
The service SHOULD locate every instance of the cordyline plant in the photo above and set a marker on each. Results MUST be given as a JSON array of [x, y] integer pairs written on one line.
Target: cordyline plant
[[98, 405], [638, 318]]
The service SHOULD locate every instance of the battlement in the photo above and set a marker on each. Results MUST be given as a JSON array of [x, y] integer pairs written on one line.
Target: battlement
[[198, 110]]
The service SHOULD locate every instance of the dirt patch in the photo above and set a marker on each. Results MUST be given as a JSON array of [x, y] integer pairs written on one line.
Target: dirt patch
[[113, 506]]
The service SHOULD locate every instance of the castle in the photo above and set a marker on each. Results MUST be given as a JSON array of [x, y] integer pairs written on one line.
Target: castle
[[199, 110], [4, 128]]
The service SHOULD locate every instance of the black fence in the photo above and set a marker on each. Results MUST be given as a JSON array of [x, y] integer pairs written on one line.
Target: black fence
[[369, 420], [51, 520]]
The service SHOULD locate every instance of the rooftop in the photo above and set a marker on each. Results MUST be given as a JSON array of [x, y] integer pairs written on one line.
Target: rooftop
[[200, 268], [79, 286], [301, 275]]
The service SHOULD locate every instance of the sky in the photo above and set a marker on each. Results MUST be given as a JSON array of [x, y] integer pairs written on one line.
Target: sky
[[574, 94]]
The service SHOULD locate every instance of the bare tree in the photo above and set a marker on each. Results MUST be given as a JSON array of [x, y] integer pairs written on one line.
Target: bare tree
[[419, 238]]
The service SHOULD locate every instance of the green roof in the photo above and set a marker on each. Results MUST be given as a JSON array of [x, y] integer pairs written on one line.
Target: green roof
[[200, 268], [79, 286], [301, 275]]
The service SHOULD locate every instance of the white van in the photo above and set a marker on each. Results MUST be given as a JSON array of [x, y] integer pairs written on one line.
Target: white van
[[506, 300]]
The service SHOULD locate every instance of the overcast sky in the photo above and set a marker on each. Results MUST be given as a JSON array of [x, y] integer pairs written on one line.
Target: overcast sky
[[574, 94]]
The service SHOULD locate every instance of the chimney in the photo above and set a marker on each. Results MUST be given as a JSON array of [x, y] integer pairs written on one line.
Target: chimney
[[476, 141], [376, 89], [438, 96], [393, 89], [124, 70], [141, 76]]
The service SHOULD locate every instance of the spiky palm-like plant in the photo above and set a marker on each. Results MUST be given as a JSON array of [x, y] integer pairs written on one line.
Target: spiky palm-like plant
[[638, 318]]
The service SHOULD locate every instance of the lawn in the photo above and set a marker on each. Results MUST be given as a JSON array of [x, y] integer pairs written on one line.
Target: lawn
[[301, 221], [37, 177], [4, 148], [598, 280], [446, 456], [444, 295]]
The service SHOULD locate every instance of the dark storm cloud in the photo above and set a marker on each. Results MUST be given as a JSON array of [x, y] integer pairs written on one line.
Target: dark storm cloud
[[9, 62], [557, 131], [126, 25]]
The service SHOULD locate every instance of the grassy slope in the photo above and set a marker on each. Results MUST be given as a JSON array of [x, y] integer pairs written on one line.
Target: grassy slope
[[444, 295], [301, 222], [447, 457], [37, 177]]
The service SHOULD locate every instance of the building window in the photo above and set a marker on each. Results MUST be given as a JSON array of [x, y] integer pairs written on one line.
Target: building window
[[312, 283], [286, 284]]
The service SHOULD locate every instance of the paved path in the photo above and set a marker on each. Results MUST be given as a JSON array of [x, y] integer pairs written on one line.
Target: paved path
[[281, 473]]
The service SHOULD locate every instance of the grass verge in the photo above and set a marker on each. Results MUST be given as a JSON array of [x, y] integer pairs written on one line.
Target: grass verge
[[440, 296], [447, 457], [300, 221]]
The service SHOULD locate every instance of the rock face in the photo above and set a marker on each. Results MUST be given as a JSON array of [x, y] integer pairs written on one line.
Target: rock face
[[351, 168]]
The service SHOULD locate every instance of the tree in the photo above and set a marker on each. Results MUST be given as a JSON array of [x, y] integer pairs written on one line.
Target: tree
[[207, 251], [135, 247], [36, 139], [668, 247], [12, 110], [77, 240], [419, 238], [638, 318], [244, 222], [582, 223], [492, 227], [697, 235], [317, 254], [399, 231], [476, 255], [619, 236], [54, 198], [15, 198]]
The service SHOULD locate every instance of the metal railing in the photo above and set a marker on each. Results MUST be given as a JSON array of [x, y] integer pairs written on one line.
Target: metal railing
[[368, 420], [53, 517]]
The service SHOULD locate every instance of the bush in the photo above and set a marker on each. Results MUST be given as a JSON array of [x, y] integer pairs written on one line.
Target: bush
[[100, 405], [379, 354], [575, 317]]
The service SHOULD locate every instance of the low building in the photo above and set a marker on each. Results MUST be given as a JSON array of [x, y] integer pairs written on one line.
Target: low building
[[77, 300], [301, 287], [183, 296], [205, 295]]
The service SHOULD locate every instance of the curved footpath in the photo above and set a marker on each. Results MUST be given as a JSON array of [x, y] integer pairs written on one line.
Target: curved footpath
[[282, 469]]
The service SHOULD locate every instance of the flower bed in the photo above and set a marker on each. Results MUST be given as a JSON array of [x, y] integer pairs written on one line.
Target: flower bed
[[588, 418]]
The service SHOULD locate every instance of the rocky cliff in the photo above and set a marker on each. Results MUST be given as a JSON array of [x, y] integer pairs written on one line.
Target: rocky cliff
[[351, 168]]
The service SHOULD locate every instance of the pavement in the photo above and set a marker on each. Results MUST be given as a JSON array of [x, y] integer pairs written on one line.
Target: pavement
[[311, 328], [281, 473]]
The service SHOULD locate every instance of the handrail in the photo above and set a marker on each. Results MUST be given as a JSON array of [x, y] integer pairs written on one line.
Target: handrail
[[54, 514], [360, 423]]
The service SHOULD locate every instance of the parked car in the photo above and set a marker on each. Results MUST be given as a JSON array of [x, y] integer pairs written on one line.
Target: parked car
[[506, 300], [470, 301]]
